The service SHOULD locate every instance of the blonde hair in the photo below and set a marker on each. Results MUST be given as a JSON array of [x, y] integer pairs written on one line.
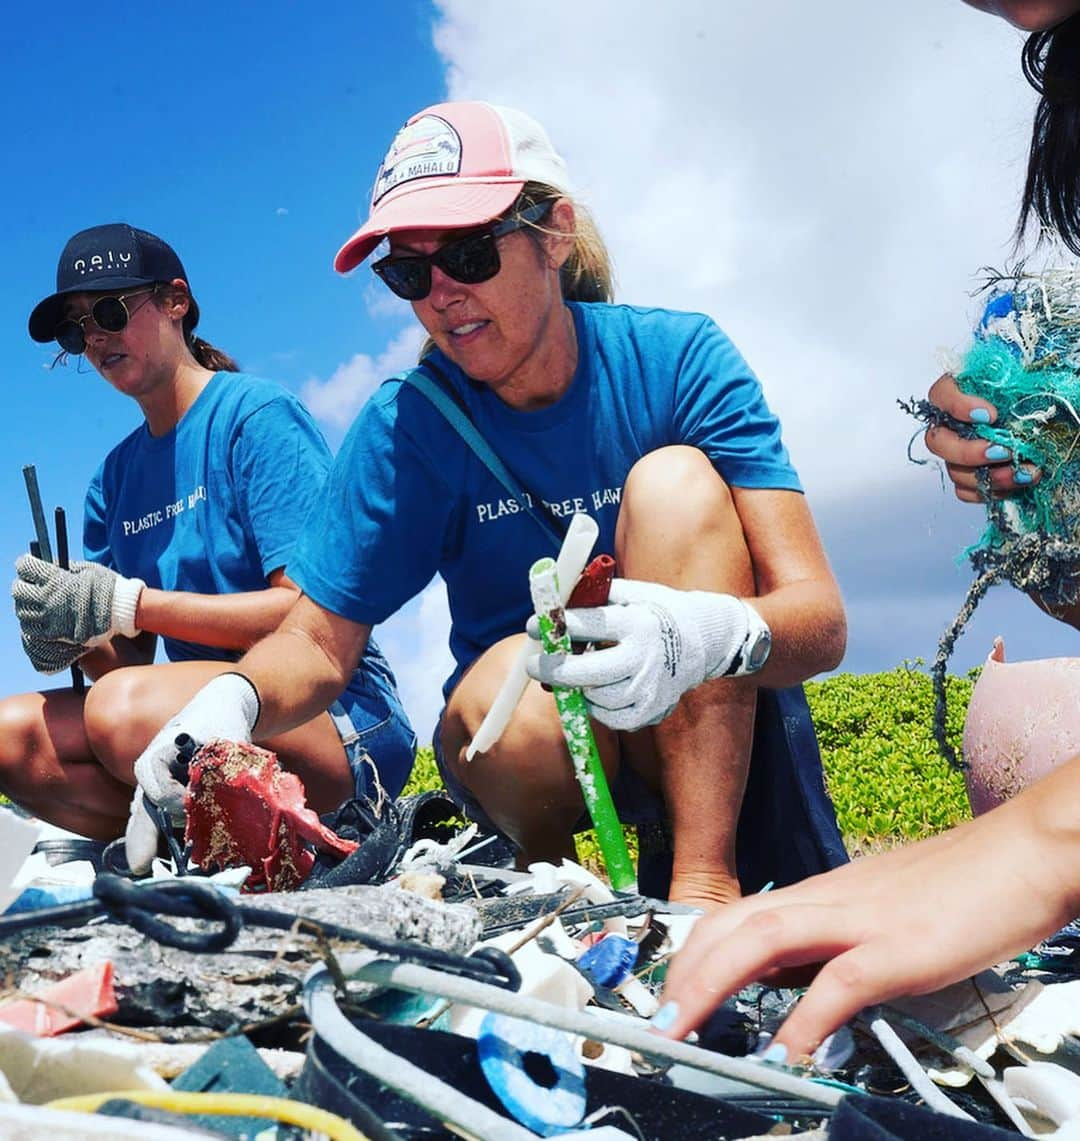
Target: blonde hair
[[586, 275]]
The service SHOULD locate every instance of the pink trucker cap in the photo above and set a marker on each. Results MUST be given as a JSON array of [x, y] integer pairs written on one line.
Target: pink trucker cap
[[451, 166]]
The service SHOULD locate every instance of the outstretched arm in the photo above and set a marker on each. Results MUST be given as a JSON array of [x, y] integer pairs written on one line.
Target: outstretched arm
[[907, 922]]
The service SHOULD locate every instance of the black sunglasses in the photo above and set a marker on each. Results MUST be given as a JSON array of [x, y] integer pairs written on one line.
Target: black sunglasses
[[470, 260], [110, 314]]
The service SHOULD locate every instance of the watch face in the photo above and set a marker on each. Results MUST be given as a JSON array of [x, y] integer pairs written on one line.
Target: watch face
[[759, 651]]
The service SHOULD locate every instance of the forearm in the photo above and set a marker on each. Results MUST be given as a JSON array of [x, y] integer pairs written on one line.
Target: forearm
[[809, 631], [225, 621], [303, 666], [796, 592], [1043, 823]]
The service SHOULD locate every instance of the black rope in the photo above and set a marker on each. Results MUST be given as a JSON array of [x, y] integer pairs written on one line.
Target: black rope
[[142, 907]]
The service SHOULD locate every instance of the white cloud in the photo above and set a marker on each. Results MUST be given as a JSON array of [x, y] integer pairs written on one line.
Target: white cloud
[[824, 180], [336, 401], [415, 641]]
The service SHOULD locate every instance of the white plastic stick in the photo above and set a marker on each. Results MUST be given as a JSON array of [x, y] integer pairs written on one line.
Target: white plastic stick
[[573, 557]]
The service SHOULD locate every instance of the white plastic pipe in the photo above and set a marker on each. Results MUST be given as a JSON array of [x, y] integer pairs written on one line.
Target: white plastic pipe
[[573, 557], [632, 1033]]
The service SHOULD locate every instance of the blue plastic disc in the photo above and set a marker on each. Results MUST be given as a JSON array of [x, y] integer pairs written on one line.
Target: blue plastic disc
[[535, 1072]]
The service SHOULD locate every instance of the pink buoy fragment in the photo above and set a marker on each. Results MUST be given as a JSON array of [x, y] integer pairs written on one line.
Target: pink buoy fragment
[[1023, 721], [243, 809]]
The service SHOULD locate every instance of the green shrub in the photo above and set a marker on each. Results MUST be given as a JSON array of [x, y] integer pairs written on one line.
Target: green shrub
[[886, 777]]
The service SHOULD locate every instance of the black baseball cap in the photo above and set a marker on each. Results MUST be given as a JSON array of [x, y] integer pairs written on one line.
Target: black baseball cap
[[116, 256]]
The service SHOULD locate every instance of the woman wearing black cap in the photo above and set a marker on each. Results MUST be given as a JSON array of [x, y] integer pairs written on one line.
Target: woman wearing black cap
[[189, 523]]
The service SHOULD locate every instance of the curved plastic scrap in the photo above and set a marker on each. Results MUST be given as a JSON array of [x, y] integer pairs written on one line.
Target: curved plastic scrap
[[63, 1005]]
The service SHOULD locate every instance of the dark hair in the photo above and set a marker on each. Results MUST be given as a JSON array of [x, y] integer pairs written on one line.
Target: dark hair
[[216, 360], [1051, 63]]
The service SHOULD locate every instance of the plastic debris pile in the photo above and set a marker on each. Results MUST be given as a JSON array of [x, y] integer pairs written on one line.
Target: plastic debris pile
[[494, 1004]]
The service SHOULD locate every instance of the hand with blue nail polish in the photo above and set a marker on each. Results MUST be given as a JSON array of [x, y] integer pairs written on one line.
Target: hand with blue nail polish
[[968, 462], [905, 922]]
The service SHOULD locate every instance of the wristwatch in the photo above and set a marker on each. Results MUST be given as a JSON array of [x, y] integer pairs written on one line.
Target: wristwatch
[[754, 652]]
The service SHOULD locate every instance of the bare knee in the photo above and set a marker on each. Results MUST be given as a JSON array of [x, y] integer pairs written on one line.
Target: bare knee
[[120, 717], [678, 524], [22, 728], [676, 488]]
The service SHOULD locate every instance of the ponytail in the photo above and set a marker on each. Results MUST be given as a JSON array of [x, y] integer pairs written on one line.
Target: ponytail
[[1051, 64], [205, 354], [216, 360]]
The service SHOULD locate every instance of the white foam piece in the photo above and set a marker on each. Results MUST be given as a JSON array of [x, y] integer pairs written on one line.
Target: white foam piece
[[17, 840]]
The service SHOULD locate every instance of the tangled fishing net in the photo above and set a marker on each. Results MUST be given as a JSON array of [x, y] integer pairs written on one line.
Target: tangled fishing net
[[1025, 360]]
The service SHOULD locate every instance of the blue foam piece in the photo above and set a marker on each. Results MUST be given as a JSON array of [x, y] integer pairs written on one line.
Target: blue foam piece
[[35, 898], [609, 961], [551, 1098]]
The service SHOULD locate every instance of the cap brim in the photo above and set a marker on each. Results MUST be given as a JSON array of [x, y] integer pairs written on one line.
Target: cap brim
[[48, 313], [436, 206]]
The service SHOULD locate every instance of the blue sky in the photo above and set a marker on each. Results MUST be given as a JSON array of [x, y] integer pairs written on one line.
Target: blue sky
[[823, 179]]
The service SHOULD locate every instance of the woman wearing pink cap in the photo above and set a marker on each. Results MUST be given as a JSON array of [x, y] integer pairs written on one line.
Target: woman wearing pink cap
[[648, 420], [929, 914]]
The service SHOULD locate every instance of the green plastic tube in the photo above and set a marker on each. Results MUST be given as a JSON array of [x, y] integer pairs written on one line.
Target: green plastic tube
[[577, 729]]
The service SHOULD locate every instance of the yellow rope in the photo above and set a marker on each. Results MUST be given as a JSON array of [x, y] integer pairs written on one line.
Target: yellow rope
[[227, 1104]]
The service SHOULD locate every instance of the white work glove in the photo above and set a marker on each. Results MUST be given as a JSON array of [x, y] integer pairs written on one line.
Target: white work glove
[[81, 607], [226, 708], [667, 641]]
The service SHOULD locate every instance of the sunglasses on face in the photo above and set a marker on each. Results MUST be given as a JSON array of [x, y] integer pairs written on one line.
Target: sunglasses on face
[[110, 314], [470, 260]]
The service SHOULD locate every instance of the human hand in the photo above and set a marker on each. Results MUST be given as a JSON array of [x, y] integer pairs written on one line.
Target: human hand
[[226, 707], [50, 656], [964, 457], [907, 922], [666, 641], [83, 606]]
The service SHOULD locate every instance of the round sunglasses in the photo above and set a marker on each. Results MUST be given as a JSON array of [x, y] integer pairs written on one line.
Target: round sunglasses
[[470, 260], [110, 314]]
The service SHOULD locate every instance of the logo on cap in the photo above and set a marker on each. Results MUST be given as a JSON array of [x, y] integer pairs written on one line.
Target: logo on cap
[[97, 262], [425, 148]]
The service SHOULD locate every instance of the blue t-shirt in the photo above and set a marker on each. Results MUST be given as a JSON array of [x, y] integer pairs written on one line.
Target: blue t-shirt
[[215, 505], [407, 498]]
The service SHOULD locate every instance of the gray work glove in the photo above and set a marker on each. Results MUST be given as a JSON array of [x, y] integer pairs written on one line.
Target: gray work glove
[[49, 656], [226, 707], [84, 606]]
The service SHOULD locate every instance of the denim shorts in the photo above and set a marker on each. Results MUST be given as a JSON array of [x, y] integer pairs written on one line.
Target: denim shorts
[[388, 745], [635, 802]]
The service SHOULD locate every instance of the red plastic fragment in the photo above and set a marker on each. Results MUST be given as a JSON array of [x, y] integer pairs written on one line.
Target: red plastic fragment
[[243, 809], [595, 582], [88, 992]]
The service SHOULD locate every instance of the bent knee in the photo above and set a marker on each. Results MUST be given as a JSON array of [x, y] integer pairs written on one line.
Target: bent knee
[[676, 481], [121, 715], [21, 729]]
